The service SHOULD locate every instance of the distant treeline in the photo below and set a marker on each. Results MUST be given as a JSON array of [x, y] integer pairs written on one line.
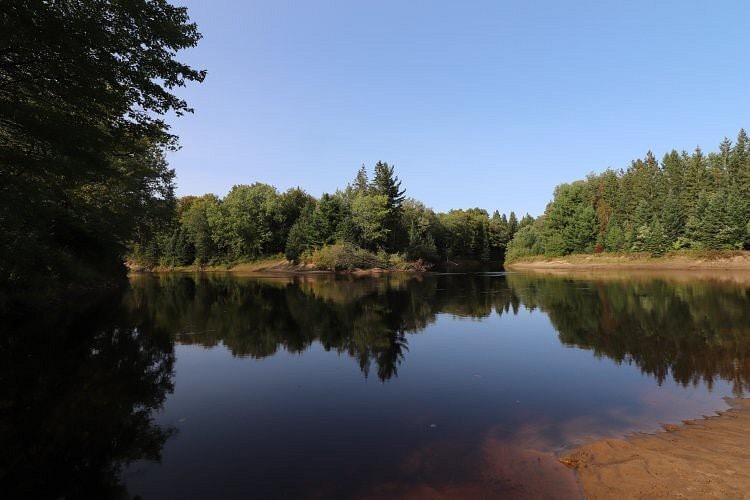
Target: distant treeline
[[688, 201], [364, 225]]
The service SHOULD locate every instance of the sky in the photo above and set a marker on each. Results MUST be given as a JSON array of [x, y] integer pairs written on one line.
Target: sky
[[484, 104]]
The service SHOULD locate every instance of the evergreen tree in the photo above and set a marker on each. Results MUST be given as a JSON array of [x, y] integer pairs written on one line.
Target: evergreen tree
[[733, 234], [674, 170], [695, 229], [484, 235], [386, 183], [512, 224], [738, 158], [672, 218], [657, 242], [181, 250], [325, 220], [580, 234], [695, 181], [299, 239], [361, 183], [614, 238]]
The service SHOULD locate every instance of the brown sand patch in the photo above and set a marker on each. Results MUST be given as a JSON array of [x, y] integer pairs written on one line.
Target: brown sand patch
[[704, 458], [717, 260]]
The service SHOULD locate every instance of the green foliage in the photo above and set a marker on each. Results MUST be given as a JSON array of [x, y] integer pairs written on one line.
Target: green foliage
[[370, 214], [83, 87], [253, 221], [580, 233], [299, 241], [422, 224], [325, 223], [614, 237], [346, 257], [687, 201], [180, 249], [194, 221], [386, 183], [526, 243]]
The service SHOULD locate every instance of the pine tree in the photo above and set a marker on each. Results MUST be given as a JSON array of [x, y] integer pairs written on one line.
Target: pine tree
[[580, 234], [733, 233], [695, 181], [386, 183], [713, 232], [614, 238], [694, 228], [740, 167], [484, 234], [674, 171], [325, 220], [299, 239], [512, 224], [656, 242], [361, 183], [673, 220]]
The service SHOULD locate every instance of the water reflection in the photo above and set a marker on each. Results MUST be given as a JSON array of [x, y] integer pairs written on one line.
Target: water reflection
[[80, 392], [695, 331], [77, 396]]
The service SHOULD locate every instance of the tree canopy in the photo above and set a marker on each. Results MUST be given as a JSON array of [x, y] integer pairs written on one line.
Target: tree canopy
[[84, 87], [368, 217], [688, 201]]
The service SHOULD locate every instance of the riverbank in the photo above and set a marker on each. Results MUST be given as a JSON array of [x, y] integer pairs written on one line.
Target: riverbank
[[277, 265], [280, 265], [703, 458], [677, 261]]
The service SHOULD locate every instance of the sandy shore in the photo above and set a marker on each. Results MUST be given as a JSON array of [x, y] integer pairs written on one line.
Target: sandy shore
[[703, 458], [725, 260]]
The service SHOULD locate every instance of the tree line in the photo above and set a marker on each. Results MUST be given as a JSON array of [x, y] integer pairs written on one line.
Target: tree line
[[686, 201], [366, 224]]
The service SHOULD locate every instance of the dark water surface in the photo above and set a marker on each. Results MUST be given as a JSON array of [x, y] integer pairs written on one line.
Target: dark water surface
[[315, 386]]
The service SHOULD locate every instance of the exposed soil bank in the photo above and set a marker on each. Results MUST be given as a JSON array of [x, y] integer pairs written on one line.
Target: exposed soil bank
[[683, 261], [704, 458]]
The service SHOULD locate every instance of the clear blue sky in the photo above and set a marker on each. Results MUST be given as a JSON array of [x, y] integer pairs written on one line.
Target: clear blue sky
[[477, 103]]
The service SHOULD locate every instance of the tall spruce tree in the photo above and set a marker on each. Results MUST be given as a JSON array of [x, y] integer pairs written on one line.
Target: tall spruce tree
[[386, 183]]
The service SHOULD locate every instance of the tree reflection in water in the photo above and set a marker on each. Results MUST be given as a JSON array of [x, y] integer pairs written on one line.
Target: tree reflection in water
[[693, 331], [79, 390], [77, 397]]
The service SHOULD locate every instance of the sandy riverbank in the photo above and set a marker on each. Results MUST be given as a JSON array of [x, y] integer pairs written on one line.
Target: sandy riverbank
[[680, 261], [703, 458]]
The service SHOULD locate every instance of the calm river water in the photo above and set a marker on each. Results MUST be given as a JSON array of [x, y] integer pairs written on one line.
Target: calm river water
[[314, 386]]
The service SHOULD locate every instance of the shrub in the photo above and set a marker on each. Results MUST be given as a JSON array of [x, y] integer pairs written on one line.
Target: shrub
[[345, 257]]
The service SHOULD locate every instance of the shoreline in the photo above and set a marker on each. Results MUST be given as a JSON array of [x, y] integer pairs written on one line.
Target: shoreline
[[705, 457], [679, 261], [283, 267]]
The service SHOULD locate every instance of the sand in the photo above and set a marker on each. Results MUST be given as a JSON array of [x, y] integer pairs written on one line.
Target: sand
[[703, 458], [717, 260]]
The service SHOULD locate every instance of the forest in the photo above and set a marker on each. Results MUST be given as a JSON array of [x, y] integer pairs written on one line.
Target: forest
[[85, 91], [369, 223], [687, 201]]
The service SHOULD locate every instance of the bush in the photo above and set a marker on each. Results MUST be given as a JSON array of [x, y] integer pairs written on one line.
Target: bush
[[345, 257]]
